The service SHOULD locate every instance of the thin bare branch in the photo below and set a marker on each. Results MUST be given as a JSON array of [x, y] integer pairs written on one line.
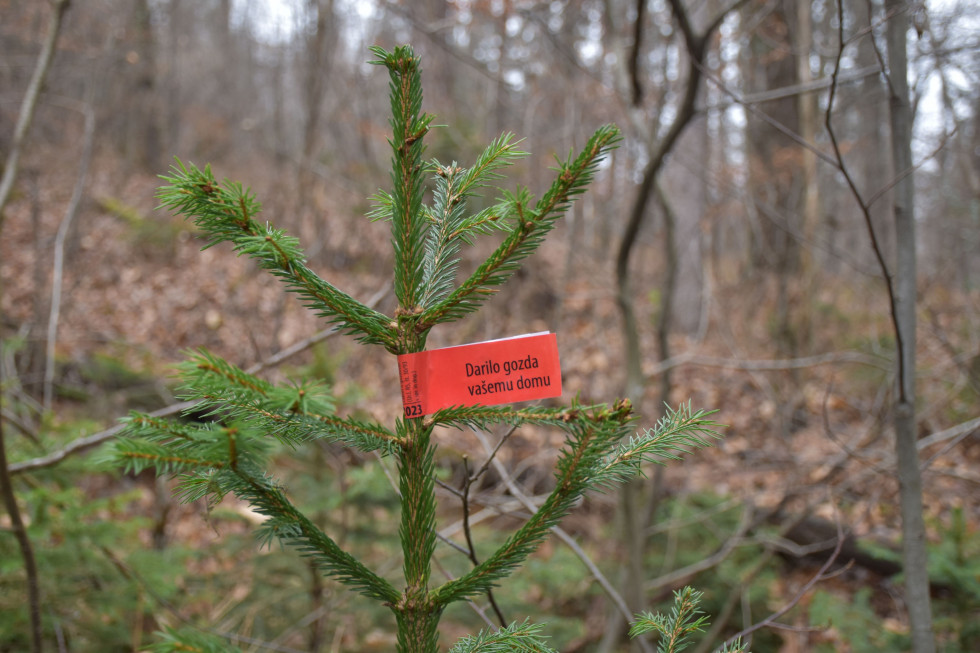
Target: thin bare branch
[[88, 141], [788, 91], [765, 117], [943, 142], [493, 454], [863, 205], [28, 430], [471, 548], [768, 365], [955, 432]]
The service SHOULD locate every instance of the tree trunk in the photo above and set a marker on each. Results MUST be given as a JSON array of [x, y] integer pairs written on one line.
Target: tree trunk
[[909, 475], [143, 146], [319, 49], [779, 179], [807, 111], [26, 115], [666, 315], [631, 495]]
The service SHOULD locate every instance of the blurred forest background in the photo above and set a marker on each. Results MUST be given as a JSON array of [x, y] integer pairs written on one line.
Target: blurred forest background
[[723, 256]]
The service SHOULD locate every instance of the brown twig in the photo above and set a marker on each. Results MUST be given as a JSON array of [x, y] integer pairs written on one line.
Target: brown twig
[[28, 430], [493, 454], [864, 207], [471, 548]]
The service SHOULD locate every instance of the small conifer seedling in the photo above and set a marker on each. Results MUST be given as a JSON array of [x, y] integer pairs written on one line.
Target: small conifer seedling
[[601, 448]]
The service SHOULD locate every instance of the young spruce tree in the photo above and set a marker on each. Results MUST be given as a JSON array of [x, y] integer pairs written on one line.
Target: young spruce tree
[[228, 456]]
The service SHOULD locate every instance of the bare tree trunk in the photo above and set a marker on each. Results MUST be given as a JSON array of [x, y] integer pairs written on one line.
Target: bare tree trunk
[[668, 290], [696, 50], [909, 474], [26, 115], [172, 102], [775, 163], [631, 495], [318, 51], [143, 146], [781, 174], [807, 111], [874, 172]]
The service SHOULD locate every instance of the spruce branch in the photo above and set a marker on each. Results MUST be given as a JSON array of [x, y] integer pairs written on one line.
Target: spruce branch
[[482, 417], [451, 225], [225, 212], [173, 448], [204, 369], [188, 640], [592, 457], [675, 629], [685, 619], [512, 554], [217, 460], [364, 436], [85, 443], [139, 455], [146, 426], [293, 528], [532, 225], [294, 414], [677, 433], [294, 427], [516, 638]]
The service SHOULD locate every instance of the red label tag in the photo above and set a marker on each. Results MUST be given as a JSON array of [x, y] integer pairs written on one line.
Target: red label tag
[[482, 374]]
